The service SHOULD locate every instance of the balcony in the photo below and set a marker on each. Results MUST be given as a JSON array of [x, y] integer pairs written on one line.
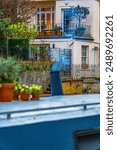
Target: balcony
[[64, 30], [49, 33]]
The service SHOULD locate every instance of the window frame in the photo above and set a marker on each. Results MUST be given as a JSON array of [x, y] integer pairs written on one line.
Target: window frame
[[86, 64], [40, 13]]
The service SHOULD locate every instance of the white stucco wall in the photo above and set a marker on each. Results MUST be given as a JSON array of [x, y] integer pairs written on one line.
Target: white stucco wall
[[96, 21], [77, 48], [91, 20], [59, 43]]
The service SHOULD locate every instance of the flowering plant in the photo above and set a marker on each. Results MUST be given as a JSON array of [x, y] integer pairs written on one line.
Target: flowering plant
[[36, 89], [25, 88], [17, 88]]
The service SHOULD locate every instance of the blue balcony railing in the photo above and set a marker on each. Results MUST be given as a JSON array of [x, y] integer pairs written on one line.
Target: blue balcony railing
[[70, 29]]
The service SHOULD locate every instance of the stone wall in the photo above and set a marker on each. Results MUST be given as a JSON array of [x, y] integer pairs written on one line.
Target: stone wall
[[35, 77], [85, 85], [91, 85]]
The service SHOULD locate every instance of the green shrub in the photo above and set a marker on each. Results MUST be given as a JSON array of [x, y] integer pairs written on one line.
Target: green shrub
[[19, 48], [3, 46], [9, 70]]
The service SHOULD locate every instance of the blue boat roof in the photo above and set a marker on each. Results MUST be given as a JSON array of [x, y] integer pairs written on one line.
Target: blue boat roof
[[51, 108]]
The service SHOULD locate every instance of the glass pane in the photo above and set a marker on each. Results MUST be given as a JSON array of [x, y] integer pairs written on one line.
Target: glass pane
[[43, 21], [38, 21], [69, 22], [52, 20], [84, 53], [46, 18], [38, 18], [48, 25], [83, 60], [52, 8]]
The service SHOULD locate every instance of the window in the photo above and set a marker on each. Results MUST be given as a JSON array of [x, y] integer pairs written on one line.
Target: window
[[40, 52], [45, 18], [87, 140], [69, 22], [84, 57]]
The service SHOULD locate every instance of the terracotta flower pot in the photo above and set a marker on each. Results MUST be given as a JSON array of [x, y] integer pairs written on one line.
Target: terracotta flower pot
[[35, 97], [24, 96], [6, 92], [16, 96]]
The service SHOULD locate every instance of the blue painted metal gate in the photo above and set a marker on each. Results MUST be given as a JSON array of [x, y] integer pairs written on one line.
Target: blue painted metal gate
[[62, 61]]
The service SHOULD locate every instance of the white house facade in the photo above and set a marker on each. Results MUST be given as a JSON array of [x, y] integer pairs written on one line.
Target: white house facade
[[76, 53]]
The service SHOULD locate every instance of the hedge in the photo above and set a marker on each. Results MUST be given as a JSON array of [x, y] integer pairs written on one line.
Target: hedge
[[19, 48]]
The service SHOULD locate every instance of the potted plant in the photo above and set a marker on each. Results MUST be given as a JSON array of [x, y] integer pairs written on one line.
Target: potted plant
[[17, 90], [57, 30], [80, 14], [25, 92], [80, 31], [9, 72], [35, 91]]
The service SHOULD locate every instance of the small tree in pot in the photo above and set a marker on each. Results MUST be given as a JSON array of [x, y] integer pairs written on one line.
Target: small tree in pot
[[80, 13]]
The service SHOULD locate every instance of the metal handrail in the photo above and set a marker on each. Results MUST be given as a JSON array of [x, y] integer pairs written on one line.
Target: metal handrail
[[63, 28], [9, 113]]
